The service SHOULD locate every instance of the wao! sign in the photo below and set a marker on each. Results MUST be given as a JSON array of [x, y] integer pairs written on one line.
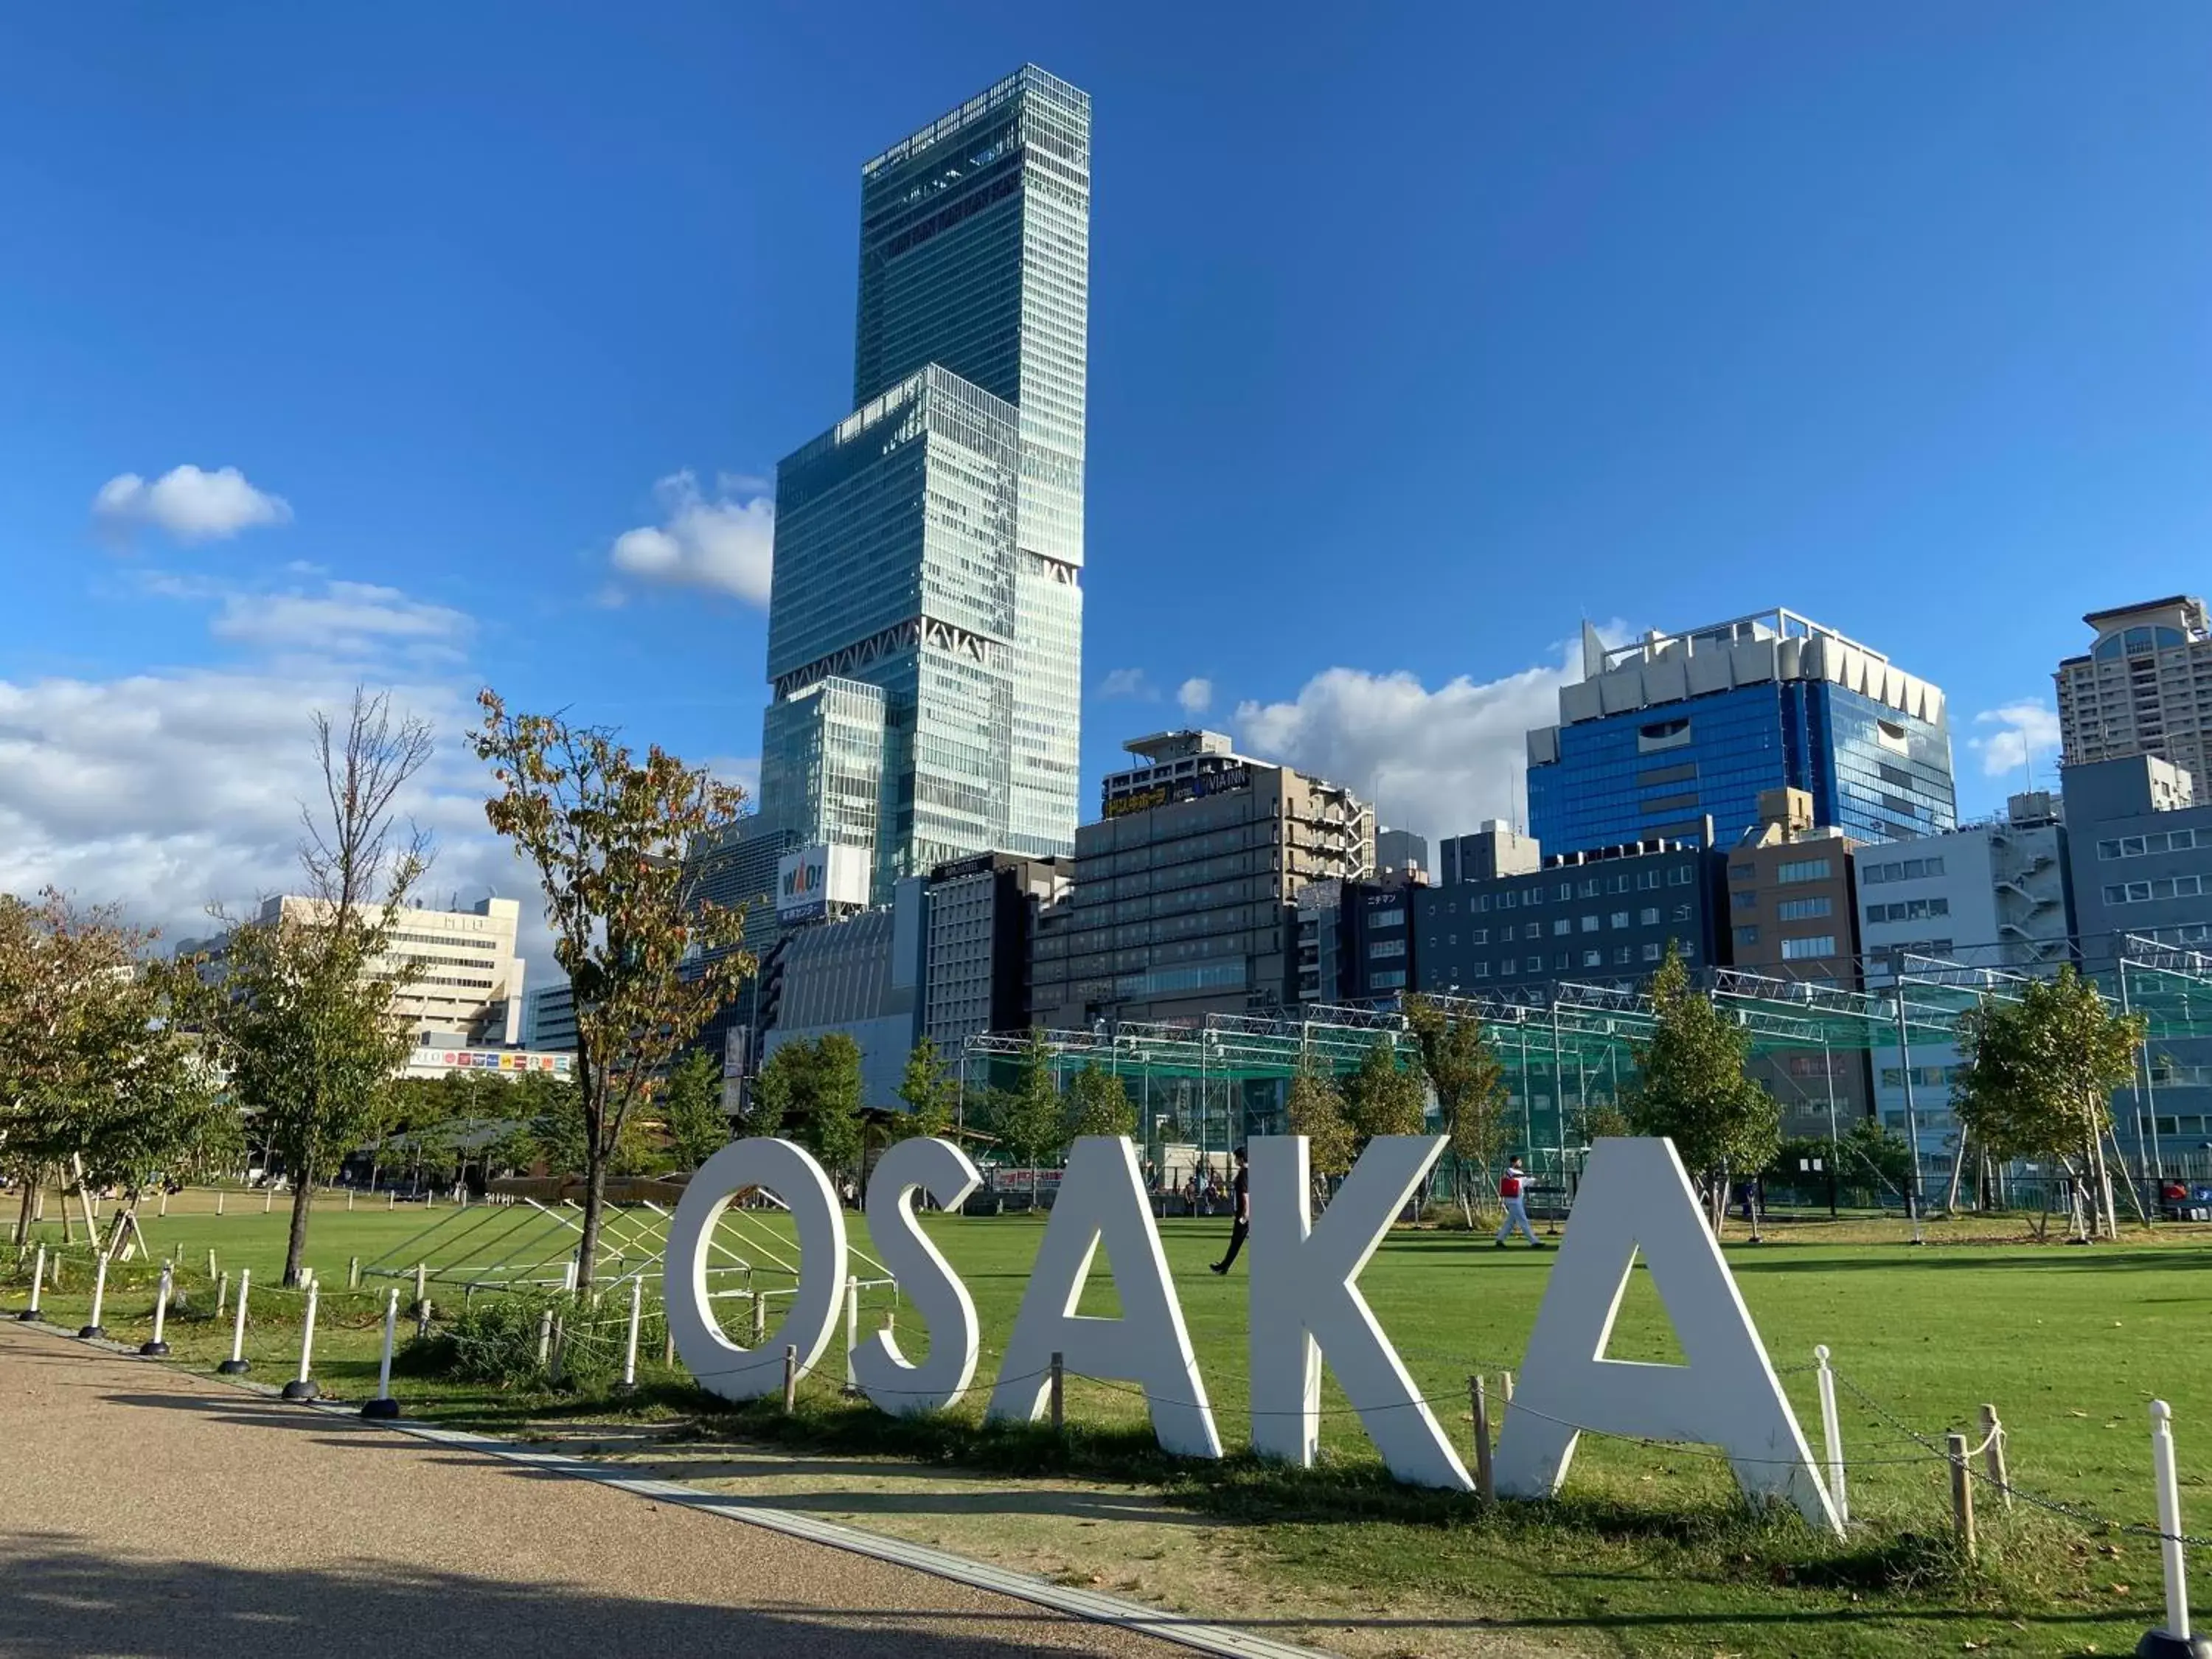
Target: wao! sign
[[1305, 1310]]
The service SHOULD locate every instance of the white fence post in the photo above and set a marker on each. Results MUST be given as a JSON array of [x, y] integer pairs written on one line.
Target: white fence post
[[302, 1386], [2174, 1640], [155, 1348], [384, 1405], [236, 1365], [852, 1332], [628, 1383], [38, 1279], [93, 1328], [1831, 1434]]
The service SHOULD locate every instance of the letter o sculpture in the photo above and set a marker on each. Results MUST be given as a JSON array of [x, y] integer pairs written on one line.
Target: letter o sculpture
[[716, 1364]]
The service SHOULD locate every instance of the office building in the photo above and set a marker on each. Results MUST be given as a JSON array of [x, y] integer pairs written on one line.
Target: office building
[[1983, 904], [2139, 839], [458, 980], [860, 975], [925, 624], [2143, 688], [1356, 942], [1663, 733], [1494, 850], [1185, 892], [981, 925], [1599, 917], [553, 1018], [1792, 918], [1403, 852]]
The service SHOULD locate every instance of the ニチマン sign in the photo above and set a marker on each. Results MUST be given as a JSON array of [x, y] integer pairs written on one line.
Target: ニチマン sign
[[1305, 1310]]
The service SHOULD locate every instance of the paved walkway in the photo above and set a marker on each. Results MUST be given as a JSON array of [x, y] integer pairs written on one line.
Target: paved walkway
[[143, 1511]]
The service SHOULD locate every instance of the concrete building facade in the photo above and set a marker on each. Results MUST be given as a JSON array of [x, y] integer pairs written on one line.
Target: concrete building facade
[[981, 931], [1185, 891], [2143, 688]]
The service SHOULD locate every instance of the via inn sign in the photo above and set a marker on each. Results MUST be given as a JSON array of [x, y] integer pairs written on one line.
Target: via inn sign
[[1305, 1310]]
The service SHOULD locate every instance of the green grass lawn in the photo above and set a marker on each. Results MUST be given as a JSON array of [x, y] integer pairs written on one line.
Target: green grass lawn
[[1647, 1551]]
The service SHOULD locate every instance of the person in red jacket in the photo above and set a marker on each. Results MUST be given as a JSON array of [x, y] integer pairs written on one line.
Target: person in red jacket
[[1512, 1190]]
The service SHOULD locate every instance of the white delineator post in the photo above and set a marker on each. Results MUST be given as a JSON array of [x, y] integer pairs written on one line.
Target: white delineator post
[[92, 1328], [38, 1280], [384, 1405], [236, 1365], [628, 1383], [2173, 1641], [1832, 1435], [851, 1331], [302, 1386], [155, 1348]]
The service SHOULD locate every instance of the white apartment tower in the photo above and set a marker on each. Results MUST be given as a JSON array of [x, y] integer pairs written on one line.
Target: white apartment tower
[[2144, 688]]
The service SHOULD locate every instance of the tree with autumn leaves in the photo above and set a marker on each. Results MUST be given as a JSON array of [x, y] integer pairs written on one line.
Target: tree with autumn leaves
[[648, 958]]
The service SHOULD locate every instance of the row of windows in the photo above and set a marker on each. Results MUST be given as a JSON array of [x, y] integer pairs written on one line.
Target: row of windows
[[1908, 910], [1805, 909], [1924, 1077], [1794, 870], [1801, 949], [1899, 869], [2165, 887], [1565, 961], [2170, 841]]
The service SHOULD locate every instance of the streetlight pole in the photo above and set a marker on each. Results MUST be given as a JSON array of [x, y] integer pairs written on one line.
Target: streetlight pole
[[1828, 1073], [1905, 1068]]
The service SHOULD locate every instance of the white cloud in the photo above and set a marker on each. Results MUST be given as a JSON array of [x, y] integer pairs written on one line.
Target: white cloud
[[725, 542], [1436, 761], [189, 504], [342, 620], [1128, 685], [742, 770], [1195, 695], [2022, 731]]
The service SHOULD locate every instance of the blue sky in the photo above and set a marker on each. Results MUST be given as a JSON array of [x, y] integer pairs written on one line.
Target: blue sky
[[1417, 336]]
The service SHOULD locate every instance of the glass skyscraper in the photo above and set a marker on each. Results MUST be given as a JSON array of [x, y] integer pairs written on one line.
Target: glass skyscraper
[[927, 593], [1663, 733]]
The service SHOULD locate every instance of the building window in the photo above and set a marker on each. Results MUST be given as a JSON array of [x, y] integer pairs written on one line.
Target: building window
[[1743, 901], [1620, 956], [1590, 888], [1506, 901], [1593, 958], [1803, 949], [1647, 879], [1566, 890], [1908, 910], [1563, 925], [1385, 918], [1479, 936], [1505, 933], [1591, 923], [1682, 912], [1392, 947], [1743, 872], [1483, 902], [1536, 964], [1650, 914], [1617, 884], [1564, 960], [1652, 952], [1680, 876], [1533, 895], [1804, 870], [1898, 870], [1482, 970], [1803, 909], [1620, 918], [2164, 887], [1390, 980], [1747, 936]]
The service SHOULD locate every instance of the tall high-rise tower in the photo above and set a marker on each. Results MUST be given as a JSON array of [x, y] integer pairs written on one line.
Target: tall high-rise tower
[[926, 623]]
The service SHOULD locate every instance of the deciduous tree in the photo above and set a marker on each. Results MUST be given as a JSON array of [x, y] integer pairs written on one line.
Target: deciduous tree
[[650, 958], [1691, 1087], [1316, 1111], [691, 1113], [2037, 1075], [1029, 1119], [306, 1027], [931, 1093], [1385, 1096], [1098, 1105], [1469, 1081]]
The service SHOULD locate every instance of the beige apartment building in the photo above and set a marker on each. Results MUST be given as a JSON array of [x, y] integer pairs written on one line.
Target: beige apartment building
[[2143, 688], [462, 976]]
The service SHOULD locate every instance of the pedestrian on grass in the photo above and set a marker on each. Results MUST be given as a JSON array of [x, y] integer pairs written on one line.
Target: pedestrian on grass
[[1511, 1191], [1243, 1190]]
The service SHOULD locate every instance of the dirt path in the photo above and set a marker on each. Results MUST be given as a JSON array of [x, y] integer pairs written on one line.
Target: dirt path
[[147, 1512]]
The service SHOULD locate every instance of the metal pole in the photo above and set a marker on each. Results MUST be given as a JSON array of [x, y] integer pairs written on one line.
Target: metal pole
[[2146, 1102], [236, 1365], [1828, 1071], [1558, 1089], [1528, 1107], [384, 1405], [852, 1332], [1911, 1111]]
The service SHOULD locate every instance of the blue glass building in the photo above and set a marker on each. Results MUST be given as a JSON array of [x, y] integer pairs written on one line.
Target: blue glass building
[[1660, 734]]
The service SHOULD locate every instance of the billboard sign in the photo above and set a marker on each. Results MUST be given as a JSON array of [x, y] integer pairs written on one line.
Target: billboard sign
[[810, 880]]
